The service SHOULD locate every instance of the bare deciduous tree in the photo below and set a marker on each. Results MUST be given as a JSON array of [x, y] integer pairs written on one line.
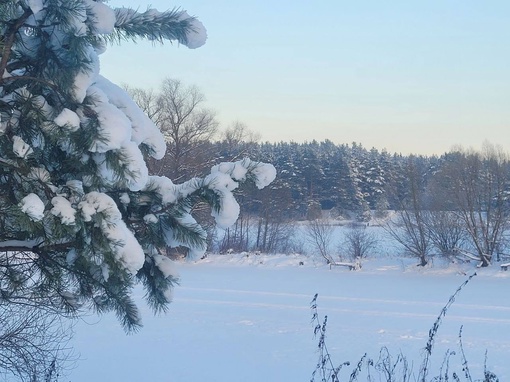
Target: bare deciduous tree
[[146, 99], [410, 229], [446, 231], [237, 238], [33, 343], [319, 234], [274, 231], [478, 184], [188, 127], [359, 241], [238, 140], [35, 325]]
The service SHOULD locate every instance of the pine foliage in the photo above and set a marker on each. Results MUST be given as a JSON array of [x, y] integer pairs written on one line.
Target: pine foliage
[[81, 220]]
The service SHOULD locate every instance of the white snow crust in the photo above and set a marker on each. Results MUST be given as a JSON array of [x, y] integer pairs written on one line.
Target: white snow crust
[[225, 302]]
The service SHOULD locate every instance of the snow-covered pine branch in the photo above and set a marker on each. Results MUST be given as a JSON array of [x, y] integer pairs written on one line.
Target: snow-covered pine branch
[[75, 191], [172, 25], [216, 188]]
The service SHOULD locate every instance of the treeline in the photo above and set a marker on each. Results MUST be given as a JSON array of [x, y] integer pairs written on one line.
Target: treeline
[[350, 180], [463, 191], [311, 176], [448, 203]]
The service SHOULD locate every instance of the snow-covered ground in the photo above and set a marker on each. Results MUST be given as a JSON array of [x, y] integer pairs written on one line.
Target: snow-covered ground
[[247, 318]]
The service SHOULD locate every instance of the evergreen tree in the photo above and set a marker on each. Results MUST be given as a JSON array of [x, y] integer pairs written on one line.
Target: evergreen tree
[[81, 221], [357, 176], [374, 179]]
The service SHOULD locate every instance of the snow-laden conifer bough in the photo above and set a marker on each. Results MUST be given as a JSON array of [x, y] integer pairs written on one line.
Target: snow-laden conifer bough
[[75, 194]]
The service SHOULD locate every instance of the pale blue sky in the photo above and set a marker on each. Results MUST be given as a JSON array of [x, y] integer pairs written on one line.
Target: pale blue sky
[[409, 76]]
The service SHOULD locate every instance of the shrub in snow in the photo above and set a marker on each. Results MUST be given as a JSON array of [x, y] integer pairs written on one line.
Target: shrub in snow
[[390, 368], [75, 191]]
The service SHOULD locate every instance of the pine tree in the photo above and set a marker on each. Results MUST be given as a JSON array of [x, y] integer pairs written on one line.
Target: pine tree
[[81, 221]]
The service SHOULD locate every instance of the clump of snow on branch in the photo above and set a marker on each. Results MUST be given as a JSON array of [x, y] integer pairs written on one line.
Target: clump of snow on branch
[[102, 209], [168, 191], [168, 269], [236, 170], [124, 198], [223, 185], [224, 179], [63, 209], [263, 173], [86, 77], [33, 206], [35, 5], [20, 147], [114, 126], [166, 266], [103, 17], [122, 128], [144, 131], [150, 219], [68, 119], [197, 35]]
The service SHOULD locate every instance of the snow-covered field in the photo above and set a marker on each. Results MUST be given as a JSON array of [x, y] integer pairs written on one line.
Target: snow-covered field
[[238, 318]]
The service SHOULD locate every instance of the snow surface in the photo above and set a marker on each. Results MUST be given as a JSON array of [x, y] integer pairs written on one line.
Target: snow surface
[[246, 317]]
